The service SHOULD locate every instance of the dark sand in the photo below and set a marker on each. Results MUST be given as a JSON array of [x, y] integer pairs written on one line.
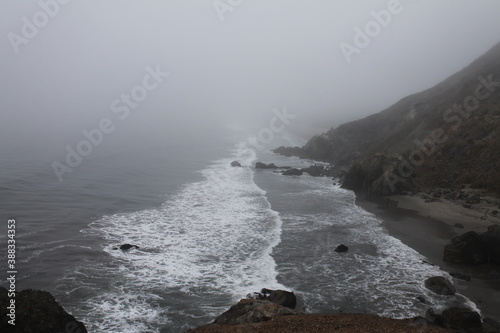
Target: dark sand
[[428, 236]]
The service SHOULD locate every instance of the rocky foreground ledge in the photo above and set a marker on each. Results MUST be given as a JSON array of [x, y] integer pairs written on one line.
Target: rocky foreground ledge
[[339, 323], [264, 316], [273, 311], [35, 311]]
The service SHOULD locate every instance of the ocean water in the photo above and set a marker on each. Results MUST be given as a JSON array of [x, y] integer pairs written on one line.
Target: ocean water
[[208, 235]]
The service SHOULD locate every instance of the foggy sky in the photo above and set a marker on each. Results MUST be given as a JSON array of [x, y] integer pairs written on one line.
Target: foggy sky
[[264, 54]]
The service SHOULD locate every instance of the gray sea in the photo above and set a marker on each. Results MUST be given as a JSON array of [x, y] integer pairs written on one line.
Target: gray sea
[[208, 233]]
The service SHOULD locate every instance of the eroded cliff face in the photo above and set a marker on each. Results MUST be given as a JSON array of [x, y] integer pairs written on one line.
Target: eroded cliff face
[[444, 136]]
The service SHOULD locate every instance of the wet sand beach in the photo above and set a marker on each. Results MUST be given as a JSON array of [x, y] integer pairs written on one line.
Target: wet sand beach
[[427, 227]]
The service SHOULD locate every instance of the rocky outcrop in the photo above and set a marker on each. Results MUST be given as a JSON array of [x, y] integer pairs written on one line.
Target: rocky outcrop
[[235, 164], [457, 319], [440, 285], [292, 172], [376, 175], [314, 170], [36, 311], [466, 249], [320, 148], [280, 297], [260, 165], [291, 151], [429, 139], [249, 311], [472, 248], [463, 319]]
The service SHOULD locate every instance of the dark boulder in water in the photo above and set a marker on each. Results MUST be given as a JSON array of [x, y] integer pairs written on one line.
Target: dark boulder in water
[[440, 285], [235, 164], [126, 247], [341, 248], [36, 311]]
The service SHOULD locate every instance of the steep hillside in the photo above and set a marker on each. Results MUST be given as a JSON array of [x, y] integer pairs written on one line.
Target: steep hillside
[[444, 136]]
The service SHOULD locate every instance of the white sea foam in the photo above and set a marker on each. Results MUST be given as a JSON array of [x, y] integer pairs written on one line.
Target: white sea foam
[[210, 243]]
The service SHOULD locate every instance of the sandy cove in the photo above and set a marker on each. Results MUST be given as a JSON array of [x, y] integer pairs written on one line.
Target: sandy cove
[[427, 225]]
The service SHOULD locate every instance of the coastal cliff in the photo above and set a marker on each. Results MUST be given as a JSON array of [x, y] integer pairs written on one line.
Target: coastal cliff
[[446, 136]]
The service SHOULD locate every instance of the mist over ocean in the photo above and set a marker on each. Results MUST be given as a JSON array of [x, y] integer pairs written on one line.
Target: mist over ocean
[[208, 235]]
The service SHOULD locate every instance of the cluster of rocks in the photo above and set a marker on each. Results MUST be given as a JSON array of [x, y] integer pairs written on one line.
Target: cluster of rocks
[[36, 311], [463, 196], [273, 305], [260, 165], [456, 318], [291, 151], [474, 248], [313, 170]]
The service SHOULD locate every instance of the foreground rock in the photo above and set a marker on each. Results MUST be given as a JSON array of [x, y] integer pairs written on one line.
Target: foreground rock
[[463, 319], [457, 319], [36, 311], [326, 323], [280, 297], [472, 248], [249, 311], [440, 285]]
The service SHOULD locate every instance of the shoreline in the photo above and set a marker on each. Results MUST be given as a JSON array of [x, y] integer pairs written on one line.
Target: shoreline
[[427, 227]]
